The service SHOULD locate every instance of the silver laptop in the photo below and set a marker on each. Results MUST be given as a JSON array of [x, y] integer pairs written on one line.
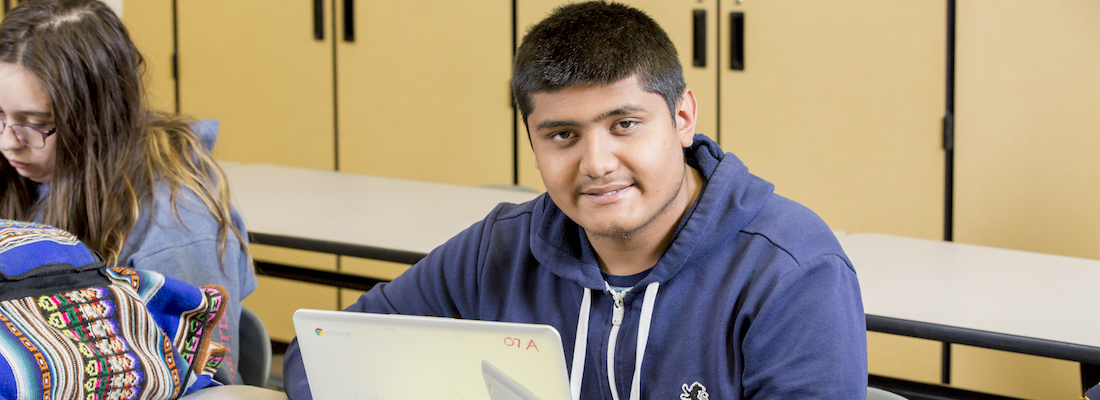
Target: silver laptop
[[350, 355]]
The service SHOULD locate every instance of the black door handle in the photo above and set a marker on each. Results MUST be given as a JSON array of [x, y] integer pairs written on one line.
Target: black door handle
[[318, 19], [699, 44], [349, 20], [737, 41]]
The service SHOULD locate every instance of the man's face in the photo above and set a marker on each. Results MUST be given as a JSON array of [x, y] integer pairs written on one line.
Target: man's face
[[611, 156]]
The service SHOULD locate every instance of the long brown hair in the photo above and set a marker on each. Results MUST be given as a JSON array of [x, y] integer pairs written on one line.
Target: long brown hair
[[111, 150]]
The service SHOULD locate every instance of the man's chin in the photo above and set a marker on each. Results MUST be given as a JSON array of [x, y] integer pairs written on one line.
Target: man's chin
[[612, 231]]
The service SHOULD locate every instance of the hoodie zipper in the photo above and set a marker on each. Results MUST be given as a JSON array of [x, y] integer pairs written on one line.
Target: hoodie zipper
[[581, 344], [616, 321]]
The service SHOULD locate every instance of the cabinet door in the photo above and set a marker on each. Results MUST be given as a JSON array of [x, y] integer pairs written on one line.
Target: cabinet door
[[150, 26], [257, 68], [1027, 156], [676, 18], [1027, 169], [840, 106], [423, 90]]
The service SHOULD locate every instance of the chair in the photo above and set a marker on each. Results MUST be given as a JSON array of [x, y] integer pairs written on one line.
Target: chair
[[255, 350], [879, 394]]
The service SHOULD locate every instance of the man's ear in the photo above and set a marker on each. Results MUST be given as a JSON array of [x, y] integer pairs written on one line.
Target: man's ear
[[686, 117]]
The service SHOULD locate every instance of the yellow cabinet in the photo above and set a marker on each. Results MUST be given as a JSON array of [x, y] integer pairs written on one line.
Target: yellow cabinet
[[840, 106], [414, 90], [423, 90], [1027, 150], [258, 68], [150, 26], [1027, 170]]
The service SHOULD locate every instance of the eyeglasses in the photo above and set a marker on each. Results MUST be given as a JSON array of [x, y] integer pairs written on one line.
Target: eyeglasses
[[30, 137]]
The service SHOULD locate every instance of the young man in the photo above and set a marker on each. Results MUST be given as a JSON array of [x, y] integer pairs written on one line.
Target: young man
[[647, 234]]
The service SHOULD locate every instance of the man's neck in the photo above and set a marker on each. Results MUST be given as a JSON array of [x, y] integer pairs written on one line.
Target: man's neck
[[629, 255]]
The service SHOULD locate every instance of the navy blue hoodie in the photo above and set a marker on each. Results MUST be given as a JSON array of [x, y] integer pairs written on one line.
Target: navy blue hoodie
[[753, 299]]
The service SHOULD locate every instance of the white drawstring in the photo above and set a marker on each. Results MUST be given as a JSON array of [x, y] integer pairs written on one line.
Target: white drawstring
[[580, 346], [643, 337]]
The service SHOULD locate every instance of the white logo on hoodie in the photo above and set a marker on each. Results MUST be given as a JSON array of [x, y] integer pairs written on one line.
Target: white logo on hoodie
[[695, 392]]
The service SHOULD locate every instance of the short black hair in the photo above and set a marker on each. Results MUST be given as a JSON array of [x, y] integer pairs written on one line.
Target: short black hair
[[596, 42]]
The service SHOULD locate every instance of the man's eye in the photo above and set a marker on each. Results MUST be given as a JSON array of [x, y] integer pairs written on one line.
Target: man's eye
[[561, 135], [627, 124]]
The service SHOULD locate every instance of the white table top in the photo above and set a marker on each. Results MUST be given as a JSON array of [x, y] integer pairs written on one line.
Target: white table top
[[387, 213], [979, 288], [934, 283]]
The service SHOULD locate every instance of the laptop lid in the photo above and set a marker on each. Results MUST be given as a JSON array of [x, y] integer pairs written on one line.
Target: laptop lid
[[349, 355]]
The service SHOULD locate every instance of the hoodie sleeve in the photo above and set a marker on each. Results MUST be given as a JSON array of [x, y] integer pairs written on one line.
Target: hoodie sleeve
[[809, 339], [444, 284]]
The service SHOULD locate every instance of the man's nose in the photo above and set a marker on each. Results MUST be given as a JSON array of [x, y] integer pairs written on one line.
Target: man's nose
[[600, 155]]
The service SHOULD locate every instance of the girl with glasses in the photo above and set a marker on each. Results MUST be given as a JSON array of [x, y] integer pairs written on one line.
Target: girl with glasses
[[82, 152]]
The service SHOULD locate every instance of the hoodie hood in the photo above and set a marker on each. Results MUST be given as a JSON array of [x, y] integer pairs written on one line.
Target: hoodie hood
[[561, 246]]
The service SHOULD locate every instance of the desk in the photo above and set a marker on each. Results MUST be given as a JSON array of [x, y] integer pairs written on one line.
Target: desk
[[1010, 300], [356, 215], [1002, 299]]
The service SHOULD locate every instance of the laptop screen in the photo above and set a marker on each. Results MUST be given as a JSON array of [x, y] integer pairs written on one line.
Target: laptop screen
[[351, 355]]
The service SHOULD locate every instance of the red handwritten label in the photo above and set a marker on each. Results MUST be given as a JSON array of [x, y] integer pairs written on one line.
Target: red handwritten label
[[520, 344]]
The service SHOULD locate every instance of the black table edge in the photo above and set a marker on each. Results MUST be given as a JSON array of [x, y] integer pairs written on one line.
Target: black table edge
[[990, 340], [338, 248], [875, 323]]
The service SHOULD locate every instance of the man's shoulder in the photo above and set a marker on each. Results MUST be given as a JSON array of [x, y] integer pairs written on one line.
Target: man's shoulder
[[796, 230], [506, 223], [512, 213]]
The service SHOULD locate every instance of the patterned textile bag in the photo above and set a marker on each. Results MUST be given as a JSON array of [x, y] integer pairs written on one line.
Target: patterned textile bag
[[75, 329]]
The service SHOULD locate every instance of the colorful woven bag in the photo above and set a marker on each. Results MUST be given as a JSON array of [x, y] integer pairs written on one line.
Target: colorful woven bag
[[75, 329]]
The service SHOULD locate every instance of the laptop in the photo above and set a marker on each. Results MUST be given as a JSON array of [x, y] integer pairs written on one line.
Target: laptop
[[350, 355]]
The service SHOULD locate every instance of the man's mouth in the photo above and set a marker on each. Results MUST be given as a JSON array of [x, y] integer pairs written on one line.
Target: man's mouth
[[608, 193]]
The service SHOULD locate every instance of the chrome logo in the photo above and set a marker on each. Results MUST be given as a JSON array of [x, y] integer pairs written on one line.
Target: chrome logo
[[320, 332]]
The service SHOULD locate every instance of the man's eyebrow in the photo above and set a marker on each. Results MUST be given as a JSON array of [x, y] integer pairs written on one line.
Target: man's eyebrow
[[627, 109], [555, 124]]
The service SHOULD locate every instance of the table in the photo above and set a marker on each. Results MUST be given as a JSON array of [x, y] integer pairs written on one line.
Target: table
[[380, 218], [1002, 299]]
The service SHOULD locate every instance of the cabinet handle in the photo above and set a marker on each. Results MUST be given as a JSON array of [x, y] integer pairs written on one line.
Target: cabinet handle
[[699, 44], [737, 41], [318, 19], [349, 21]]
